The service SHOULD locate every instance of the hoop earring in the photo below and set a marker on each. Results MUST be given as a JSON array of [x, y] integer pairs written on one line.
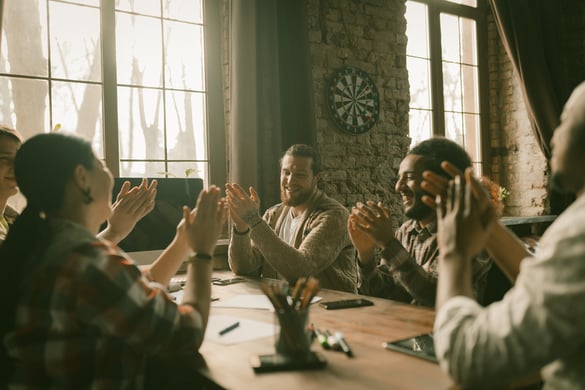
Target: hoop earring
[[87, 198]]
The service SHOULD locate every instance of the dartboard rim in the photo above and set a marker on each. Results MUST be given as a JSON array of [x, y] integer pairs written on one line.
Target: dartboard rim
[[372, 96]]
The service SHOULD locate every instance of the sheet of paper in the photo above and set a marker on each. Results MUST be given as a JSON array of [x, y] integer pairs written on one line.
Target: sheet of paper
[[246, 330], [178, 296], [250, 301]]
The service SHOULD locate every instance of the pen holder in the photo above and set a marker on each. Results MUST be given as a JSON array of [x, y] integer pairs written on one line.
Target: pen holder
[[294, 339]]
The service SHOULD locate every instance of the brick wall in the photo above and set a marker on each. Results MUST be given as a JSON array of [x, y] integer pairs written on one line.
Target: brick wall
[[369, 35]]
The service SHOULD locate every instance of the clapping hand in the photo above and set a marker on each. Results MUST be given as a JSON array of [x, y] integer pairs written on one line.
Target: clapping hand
[[374, 220], [131, 205], [241, 204], [202, 225], [465, 217]]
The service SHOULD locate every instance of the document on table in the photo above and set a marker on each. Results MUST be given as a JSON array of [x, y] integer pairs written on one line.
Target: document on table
[[245, 331], [249, 301]]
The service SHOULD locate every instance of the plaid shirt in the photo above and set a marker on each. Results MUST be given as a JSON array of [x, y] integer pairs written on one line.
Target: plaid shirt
[[406, 270], [88, 318]]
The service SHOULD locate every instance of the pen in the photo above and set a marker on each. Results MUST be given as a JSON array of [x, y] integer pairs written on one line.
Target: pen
[[229, 328], [344, 345]]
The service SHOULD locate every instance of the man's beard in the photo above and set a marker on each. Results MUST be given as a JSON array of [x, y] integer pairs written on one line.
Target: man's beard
[[419, 210], [297, 200]]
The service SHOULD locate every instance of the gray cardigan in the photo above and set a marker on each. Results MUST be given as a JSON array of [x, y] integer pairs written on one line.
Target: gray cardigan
[[322, 247]]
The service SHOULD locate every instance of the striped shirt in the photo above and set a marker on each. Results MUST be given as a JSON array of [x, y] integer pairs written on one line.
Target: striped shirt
[[406, 270], [88, 318]]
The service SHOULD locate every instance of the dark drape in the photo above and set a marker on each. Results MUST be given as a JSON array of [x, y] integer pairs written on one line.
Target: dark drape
[[271, 101], [532, 33]]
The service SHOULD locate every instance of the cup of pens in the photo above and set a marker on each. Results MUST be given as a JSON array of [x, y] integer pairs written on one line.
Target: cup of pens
[[293, 338], [292, 315]]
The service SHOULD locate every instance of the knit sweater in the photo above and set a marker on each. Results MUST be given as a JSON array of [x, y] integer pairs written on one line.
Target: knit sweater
[[322, 247]]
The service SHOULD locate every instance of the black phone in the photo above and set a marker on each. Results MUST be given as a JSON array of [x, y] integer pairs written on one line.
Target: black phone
[[346, 303], [278, 362], [421, 346], [227, 282]]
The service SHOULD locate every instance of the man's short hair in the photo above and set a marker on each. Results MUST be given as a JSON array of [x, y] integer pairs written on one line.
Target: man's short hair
[[303, 150], [6, 131], [438, 149]]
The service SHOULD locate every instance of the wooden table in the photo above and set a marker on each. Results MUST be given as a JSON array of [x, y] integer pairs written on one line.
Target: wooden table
[[365, 329]]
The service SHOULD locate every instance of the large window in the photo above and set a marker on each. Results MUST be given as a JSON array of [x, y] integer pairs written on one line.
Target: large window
[[445, 58], [131, 75]]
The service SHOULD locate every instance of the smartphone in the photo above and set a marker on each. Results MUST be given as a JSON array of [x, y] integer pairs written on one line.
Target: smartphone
[[421, 346], [226, 282], [277, 362], [346, 303]]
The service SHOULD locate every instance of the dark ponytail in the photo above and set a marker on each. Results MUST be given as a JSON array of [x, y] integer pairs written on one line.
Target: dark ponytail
[[43, 166]]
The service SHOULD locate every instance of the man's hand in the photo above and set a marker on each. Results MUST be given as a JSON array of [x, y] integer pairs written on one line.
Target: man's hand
[[465, 218], [241, 204], [131, 205], [362, 242], [374, 220]]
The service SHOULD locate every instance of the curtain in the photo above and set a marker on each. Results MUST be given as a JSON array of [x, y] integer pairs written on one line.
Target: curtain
[[532, 34], [271, 94], [529, 30]]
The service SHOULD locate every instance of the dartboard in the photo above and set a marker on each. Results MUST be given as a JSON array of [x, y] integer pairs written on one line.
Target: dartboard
[[354, 103]]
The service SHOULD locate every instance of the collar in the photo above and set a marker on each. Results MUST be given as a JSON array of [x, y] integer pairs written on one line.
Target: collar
[[413, 225]]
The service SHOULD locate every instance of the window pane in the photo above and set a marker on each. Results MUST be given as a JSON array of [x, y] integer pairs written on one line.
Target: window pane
[[454, 127], [419, 80], [190, 169], [452, 86], [77, 107], [186, 135], [472, 140], [185, 10], [468, 41], [140, 121], [138, 50], [94, 3], [417, 30], [471, 3], [184, 57], [24, 105], [142, 169], [470, 89], [450, 37], [420, 125], [24, 21], [75, 42], [145, 7]]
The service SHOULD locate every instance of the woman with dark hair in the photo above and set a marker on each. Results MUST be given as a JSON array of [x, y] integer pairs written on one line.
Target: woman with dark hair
[[76, 311]]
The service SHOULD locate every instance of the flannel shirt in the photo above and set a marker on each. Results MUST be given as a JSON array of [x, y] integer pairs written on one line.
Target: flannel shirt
[[88, 317], [406, 270]]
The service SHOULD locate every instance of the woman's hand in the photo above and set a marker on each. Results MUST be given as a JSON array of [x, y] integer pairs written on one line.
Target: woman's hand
[[201, 226], [131, 205]]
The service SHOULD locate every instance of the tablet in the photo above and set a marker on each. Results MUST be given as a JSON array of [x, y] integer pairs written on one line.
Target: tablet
[[420, 346]]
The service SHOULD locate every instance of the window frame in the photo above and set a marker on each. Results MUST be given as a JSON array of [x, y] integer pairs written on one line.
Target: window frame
[[479, 14], [216, 140]]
